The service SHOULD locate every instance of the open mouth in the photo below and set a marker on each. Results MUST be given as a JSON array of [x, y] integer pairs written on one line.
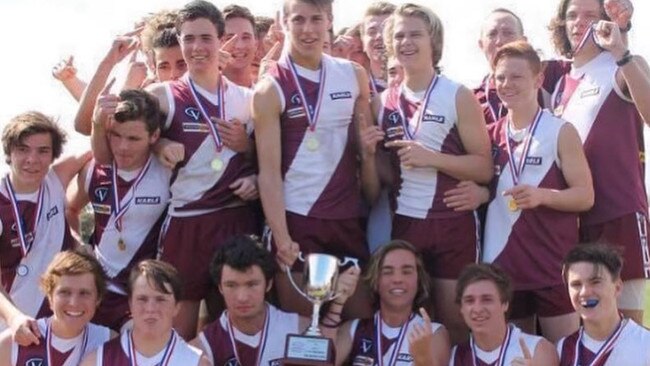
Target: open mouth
[[589, 303]]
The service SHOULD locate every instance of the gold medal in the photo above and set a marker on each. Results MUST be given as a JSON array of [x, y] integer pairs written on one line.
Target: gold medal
[[512, 205], [217, 164], [312, 144], [121, 245], [558, 111]]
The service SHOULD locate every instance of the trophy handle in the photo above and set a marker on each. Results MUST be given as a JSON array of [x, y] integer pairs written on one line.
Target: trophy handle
[[293, 283], [344, 262]]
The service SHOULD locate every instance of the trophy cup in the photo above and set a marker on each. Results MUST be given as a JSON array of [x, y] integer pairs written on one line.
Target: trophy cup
[[319, 286]]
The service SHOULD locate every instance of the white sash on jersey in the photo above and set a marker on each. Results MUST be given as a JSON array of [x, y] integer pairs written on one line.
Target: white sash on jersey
[[48, 240], [20, 228], [421, 110]]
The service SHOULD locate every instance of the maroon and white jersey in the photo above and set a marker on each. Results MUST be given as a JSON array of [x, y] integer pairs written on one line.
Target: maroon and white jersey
[[319, 182], [196, 187], [364, 343], [63, 352], [377, 86], [631, 348], [462, 355], [528, 244], [216, 340], [493, 108], [419, 191], [611, 130], [140, 224], [116, 353], [21, 275]]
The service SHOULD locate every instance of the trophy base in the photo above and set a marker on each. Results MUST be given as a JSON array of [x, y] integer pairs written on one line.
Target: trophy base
[[308, 351]]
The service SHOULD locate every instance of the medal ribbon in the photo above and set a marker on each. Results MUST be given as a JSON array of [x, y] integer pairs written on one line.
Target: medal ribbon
[[421, 108], [568, 86], [605, 349], [398, 344], [502, 352], [260, 347], [312, 116], [167, 355], [118, 210], [22, 232], [589, 33], [222, 111], [518, 169], [48, 344]]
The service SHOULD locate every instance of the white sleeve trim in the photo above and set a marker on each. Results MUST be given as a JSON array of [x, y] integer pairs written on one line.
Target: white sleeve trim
[[617, 88], [171, 107], [206, 348]]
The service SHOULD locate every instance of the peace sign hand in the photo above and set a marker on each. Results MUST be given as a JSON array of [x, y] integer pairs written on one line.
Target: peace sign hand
[[527, 360]]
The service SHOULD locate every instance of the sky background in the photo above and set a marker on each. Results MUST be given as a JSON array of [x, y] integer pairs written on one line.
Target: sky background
[[39, 33]]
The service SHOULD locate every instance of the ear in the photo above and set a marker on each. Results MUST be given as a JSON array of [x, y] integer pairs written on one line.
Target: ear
[[539, 80], [220, 289], [505, 305], [154, 136], [269, 285], [618, 286]]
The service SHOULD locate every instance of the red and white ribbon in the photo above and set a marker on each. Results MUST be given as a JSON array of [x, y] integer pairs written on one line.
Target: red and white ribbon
[[22, 230]]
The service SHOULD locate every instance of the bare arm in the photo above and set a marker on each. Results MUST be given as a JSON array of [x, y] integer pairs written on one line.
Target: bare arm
[[23, 329], [343, 343], [196, 342], [545, 354], [266, 116], [370, 136], [77, 198], [66, 168], [634, 79], [66, 73]]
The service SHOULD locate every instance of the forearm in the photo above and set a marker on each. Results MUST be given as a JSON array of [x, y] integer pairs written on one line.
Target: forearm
[[272, 195], [75, 87], [370, 181], [637, 80], [476, 168], [83, 119], [7, 308], [99, 144], [331, 320], [574, 199]]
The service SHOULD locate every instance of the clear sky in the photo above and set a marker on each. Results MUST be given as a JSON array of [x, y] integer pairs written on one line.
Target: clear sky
[[38, 33]]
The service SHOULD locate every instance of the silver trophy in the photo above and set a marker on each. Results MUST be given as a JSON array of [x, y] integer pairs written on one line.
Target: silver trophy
[[319, 279]]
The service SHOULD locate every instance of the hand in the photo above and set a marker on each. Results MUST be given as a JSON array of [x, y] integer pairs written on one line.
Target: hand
[[136, 74], [347, 284], [225, 52], [105, 106], [412, 153], [466, 196], [526, 197], [608, 36], [270, 59], [233, 134], [370, 136], [619, 11], [287, 252], [121, 47], [170, 153], [245, 188], [343, 46], [527, 360], [64, 70], [24, 330], [274, 36], [421, 339]]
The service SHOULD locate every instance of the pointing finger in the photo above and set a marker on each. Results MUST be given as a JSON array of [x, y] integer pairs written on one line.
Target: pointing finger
[[425, 316], [524, 349], [107, 87], [229, 43]]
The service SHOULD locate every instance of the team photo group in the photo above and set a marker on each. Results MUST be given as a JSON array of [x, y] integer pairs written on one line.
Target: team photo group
[[273, 191]]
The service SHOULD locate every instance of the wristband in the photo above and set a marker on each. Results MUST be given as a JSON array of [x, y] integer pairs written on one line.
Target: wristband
[[627, 57]]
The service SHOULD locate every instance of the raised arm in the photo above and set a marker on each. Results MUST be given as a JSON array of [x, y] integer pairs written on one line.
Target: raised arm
[[66, 73]]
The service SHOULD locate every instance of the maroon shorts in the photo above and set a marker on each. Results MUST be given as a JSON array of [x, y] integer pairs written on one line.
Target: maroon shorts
[[189, 244], [630, 233], [113, 311], [340, 238], [446, 245], [545, 302]]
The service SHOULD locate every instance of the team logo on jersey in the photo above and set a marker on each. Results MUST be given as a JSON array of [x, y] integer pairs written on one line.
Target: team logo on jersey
[[231, 362], [193, 113], [590, 92], [101, 193], [405, 357], [428, 117], [534, 160], [34, 362], [102, 209], [366, 345], [394, 118], [341, 95], [195, 127], [363, 361], [295, 99], [52, 212], [147, 200]]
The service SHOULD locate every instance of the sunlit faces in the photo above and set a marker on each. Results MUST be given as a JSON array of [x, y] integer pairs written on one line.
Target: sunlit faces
[[244, 291], [592, 290], [73, 301], [498, 29], [373, 42], [307, 27], [245, 46], [411, 42], [481, 306], [130, 143], [30, 161], [169, 63], [398, 280], [152, 310], [580, 14], [200, 45], [516, 83]]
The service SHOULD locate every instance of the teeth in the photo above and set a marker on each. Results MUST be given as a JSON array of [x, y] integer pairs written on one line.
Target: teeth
[[397, 291], [74, 313]]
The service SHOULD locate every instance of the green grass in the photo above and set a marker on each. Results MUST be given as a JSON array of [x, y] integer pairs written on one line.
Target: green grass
[[646, 314]]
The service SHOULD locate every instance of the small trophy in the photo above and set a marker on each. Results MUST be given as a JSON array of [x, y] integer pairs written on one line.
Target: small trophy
[[319, 284]]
